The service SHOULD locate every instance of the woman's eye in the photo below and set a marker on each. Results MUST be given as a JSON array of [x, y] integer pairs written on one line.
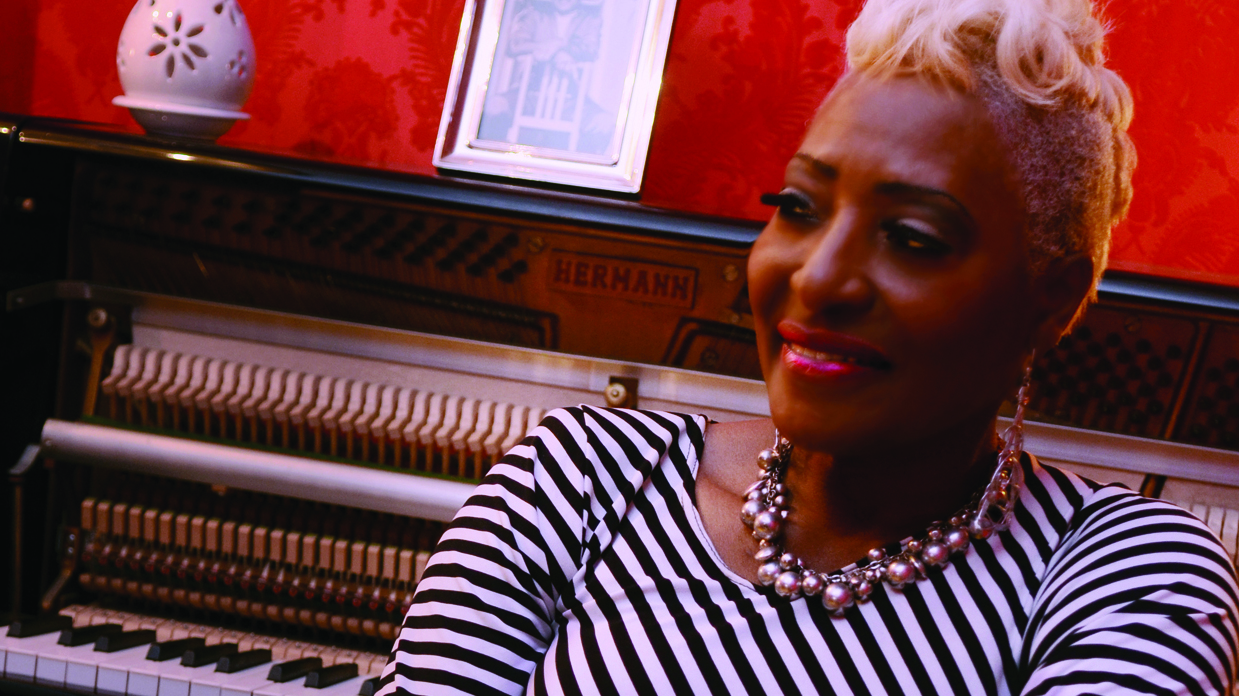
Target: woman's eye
[[791, 204], [915, 236]]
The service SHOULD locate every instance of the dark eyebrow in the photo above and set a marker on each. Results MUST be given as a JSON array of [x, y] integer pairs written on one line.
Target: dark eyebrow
[[888, 188], [824, 169], [899, 187]]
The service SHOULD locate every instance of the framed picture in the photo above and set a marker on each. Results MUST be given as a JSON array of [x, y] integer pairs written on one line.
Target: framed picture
[[559, 91]]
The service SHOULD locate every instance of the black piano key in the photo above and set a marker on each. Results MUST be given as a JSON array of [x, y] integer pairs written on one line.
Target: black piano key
[[294, 669], [123, 641], [82, 635], [243, 660], [29, 626], [170, 649], [205, 655], [329, 676], [369, 687]]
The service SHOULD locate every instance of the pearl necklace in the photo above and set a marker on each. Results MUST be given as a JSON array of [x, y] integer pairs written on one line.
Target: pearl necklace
[[765, 512]]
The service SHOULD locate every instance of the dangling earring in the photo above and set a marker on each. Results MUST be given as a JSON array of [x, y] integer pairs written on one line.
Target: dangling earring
[[997, 503]]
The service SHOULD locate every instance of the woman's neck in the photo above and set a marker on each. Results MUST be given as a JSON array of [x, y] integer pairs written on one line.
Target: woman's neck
[[877, 498]]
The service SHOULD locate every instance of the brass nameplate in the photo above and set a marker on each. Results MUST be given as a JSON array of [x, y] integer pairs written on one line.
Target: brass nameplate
[[638, 281]]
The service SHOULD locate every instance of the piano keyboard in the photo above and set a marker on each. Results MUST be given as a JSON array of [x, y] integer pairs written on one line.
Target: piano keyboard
[[1216, 506], [44, 659]]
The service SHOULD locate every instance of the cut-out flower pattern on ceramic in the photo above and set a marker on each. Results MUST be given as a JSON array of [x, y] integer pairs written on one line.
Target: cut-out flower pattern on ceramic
[[177, 44], [234, 10], [239, 66]]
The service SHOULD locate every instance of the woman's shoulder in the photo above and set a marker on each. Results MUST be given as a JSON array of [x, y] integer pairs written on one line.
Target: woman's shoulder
[[1091, 527], [617, 437], [1081, 501], [1130, 579]]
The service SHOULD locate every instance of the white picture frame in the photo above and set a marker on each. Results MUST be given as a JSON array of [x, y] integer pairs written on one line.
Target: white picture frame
[[556, 91]]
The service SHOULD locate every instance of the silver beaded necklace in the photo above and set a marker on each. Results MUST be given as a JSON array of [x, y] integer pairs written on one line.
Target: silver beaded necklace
[[765, 512]]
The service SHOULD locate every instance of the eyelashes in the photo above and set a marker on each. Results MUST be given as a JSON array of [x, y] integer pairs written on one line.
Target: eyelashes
[[791, 204], [773, 200], [909, 234]]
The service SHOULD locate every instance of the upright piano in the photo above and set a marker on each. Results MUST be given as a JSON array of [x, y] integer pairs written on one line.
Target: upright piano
[[247, 390]]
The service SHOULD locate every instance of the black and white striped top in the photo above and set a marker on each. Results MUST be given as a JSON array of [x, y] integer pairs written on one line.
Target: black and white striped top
[[580, 565]]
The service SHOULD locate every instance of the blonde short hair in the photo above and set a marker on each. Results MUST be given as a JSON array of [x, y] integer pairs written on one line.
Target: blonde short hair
[[1039, 68]]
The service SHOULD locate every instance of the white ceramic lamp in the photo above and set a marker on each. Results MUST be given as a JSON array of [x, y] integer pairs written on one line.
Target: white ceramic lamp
[[187, 66]]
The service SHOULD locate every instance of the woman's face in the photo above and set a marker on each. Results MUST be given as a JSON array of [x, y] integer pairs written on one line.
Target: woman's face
[[891, 289]]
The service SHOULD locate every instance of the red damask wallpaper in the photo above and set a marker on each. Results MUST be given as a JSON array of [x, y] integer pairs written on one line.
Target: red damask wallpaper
[[363, 82]]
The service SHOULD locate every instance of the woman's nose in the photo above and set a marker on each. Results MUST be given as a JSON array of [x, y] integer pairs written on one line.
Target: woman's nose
[[834, 277]]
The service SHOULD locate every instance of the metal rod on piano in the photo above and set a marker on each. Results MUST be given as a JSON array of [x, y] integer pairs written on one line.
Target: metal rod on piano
[[266, 472], [1063, 445]]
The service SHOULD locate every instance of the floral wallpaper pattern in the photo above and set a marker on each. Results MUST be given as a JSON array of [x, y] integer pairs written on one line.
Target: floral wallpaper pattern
[[363, 82]]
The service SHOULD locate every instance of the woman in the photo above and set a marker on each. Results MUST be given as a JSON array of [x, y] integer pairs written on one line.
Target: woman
[[947, 214]]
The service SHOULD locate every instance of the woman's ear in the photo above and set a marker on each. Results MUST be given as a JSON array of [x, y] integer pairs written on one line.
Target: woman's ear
[[1060, 292]]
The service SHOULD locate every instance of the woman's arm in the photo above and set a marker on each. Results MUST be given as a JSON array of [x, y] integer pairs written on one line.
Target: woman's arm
[[484, 610], [487, 608], [1140, 599]]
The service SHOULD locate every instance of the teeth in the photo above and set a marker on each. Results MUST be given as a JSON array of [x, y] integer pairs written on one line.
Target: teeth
[[821, 357]]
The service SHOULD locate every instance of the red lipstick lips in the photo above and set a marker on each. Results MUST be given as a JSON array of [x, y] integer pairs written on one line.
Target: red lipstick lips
[[822, 353]]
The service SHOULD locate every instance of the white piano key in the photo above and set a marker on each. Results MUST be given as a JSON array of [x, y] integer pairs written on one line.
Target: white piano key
[[1230, 533], [23, 655], [1201, 511], [240, 683], [1216, 516], [53, 663], [175, 679], [6, 642], [348, 687], [84, 670], [296, 686], [150, 678], [247, 682]]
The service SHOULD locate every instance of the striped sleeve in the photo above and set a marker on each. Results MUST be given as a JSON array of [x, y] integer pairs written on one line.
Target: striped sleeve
[[1139, 598], [487, 606]]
